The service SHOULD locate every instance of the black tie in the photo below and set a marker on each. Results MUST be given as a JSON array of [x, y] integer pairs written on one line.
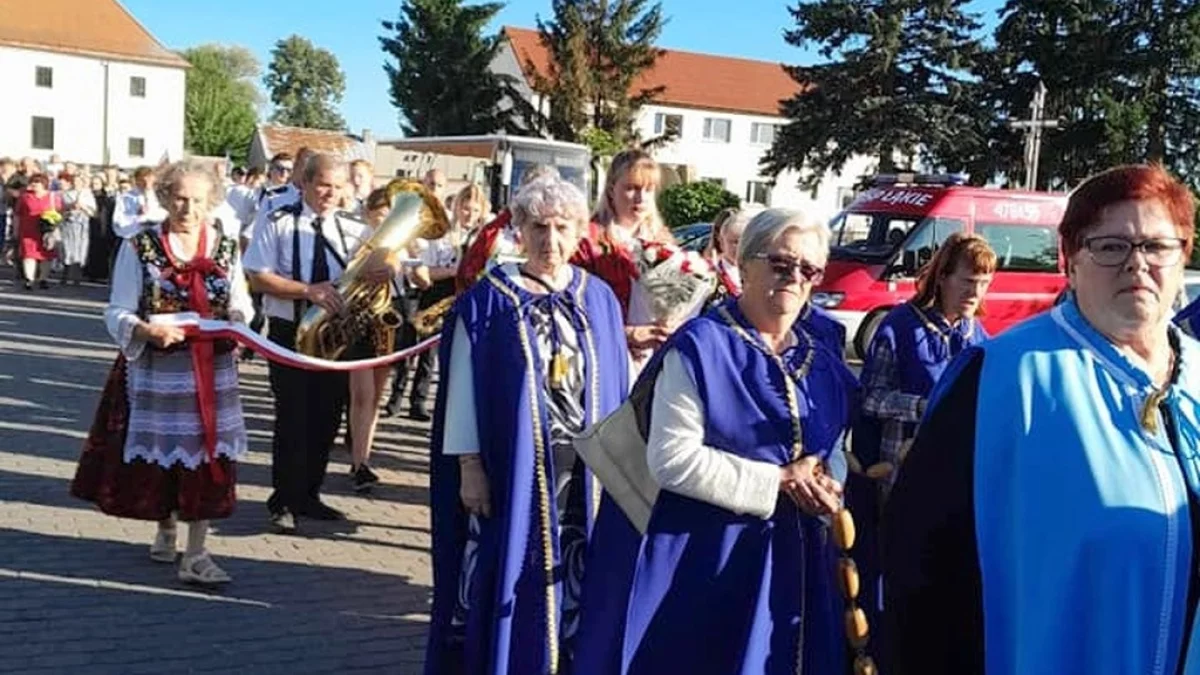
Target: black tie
[[320, 268]]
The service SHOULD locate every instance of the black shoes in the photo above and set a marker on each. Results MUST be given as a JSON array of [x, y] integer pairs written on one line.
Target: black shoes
[[283, 522], [419, 413], [392, 407], [318, 510], [363, 478]]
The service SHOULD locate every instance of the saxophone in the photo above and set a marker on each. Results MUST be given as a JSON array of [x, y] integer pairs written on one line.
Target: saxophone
[[415, 214]]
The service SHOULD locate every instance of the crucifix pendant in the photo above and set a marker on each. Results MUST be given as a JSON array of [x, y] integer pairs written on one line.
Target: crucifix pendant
[[559, 365]]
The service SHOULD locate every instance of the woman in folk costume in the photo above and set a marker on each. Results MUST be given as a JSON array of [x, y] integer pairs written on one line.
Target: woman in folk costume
[[722, 250], [1046, 519], [912, 347], [169, 427], [79, 205], [531, 355], [626, 216], [735, 571]]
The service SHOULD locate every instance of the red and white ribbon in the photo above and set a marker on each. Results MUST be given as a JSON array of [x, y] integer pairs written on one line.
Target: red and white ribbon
[[194, 326]]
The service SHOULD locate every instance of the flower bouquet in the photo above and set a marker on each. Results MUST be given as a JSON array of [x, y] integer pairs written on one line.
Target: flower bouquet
[[48, 223], [672, 284]]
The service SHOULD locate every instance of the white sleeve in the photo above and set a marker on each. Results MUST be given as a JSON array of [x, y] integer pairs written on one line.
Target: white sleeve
[[125, 219], [681, 463], [461, 431], [262, 254], [120, 317], [239, 292]]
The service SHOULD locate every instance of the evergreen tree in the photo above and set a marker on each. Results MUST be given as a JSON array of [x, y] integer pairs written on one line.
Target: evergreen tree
[[598, 49], [306, 84], [220, 103], [895, 84], [441, 80]]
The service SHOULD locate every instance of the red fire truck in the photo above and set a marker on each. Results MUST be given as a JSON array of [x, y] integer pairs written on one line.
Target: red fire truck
[[883, 237]]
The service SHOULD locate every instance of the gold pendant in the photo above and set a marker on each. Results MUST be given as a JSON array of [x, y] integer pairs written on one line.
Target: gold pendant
[[559, 365]]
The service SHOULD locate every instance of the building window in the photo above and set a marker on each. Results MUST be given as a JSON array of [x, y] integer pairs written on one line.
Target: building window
[[137, 87], [668, 124], [716, 129], [44, 76], [714, 181], [137, 147], [43, 133], [758, 192], [762, 133]]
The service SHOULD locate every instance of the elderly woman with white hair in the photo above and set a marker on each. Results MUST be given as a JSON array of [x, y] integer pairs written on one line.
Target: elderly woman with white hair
[[169, 429], [532, 354], [734, 573]]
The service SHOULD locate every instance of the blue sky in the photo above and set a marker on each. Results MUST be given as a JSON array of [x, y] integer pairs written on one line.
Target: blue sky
[[746, 28]]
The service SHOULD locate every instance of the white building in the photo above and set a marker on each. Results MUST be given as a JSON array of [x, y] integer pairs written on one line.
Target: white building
[[726, 113], [85, 81]]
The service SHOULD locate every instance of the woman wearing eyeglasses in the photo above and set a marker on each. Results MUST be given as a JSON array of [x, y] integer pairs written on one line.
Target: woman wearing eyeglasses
[[734, 573], [1046, 518]]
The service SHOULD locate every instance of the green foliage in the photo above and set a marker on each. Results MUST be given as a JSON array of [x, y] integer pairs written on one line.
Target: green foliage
[[220, 103], [895, 84], [601, 142], [306, 84], [598, 49], [439, 70], [694, 202]]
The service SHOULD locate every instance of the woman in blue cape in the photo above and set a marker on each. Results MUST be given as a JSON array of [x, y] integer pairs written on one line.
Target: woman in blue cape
[[911, 349], [735, 571], [532, 354], [1045, 520]]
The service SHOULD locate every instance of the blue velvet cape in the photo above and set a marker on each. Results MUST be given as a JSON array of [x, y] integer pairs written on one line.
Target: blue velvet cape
[[513, 626], [710, 591]]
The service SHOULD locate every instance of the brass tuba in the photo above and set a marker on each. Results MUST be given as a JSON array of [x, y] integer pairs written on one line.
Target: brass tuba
[[368, 312]]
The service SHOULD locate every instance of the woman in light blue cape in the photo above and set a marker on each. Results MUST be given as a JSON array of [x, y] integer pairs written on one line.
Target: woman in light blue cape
[[1046, 518]]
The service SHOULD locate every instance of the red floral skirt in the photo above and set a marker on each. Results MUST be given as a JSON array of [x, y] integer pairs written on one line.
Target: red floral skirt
[[140, 489]]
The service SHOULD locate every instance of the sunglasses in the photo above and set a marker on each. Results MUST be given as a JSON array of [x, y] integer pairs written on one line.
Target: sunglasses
[[786, 269], [281, 168]]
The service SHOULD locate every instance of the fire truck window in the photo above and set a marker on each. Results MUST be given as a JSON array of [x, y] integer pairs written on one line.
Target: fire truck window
[[931, 234], [1022, 248]]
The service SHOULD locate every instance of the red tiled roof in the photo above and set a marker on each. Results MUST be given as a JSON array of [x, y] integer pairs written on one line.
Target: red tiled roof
[[278, 138], [691, 80], [83, 27]]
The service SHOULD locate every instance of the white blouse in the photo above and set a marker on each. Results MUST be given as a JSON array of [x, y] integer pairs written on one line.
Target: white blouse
[[461, 433], [121, 316]]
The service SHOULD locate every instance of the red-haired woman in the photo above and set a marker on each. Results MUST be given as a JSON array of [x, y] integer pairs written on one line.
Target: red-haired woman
[[36, 201], [1046, 517], [627, 213]]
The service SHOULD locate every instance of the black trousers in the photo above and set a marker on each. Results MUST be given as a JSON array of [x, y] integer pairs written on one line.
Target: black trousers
[[426, 361], [308, 410], [406, 337]]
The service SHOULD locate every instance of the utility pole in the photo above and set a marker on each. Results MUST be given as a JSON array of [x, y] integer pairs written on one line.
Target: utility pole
[[1033, 133]]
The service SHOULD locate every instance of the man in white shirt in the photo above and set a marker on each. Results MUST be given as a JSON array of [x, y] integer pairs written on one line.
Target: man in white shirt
[[297, 254], [138, 207], [283, 195]]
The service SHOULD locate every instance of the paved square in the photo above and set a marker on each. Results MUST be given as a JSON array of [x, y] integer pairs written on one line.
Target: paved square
[[78, 592]]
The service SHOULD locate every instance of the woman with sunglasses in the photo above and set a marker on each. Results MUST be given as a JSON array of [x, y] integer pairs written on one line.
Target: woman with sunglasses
[[913, 346], [1046, 519], [735, 572]]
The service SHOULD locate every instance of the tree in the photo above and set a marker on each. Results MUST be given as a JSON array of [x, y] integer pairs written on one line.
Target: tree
[[1122, 78], [598, 48], [895, 84], [441, 77], [698, 202], [306, 84], [220, 103]]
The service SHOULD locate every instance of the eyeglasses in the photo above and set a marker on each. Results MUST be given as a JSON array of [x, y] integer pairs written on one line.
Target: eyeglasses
[[1111, 251], [281, 168], [785, 269]]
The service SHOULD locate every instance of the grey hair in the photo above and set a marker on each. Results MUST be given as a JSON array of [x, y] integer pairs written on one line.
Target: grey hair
[[538, 172], [172, 175], [318, 162], [548, 197], [768, 226]]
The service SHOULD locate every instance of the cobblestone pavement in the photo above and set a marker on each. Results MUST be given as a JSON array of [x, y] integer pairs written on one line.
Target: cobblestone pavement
[[78, 592]]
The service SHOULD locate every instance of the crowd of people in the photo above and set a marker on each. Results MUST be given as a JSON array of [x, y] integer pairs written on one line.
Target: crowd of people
[[1024, 503]]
